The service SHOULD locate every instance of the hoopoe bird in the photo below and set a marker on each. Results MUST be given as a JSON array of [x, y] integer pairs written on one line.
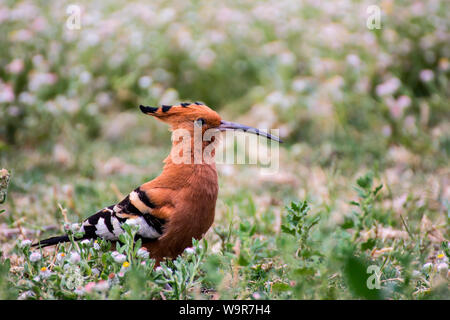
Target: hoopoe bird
[[179, 204]]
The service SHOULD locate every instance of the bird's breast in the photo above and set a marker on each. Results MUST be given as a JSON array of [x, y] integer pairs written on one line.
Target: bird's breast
[[196, 203]]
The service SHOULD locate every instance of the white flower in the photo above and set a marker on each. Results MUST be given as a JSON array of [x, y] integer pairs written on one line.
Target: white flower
[[145, 82], [142, 253], [60, 256], [39, 79], [256, 296], [427, 267], [37, 278], [396, 107], [388, 87], [79, 291], [85, 242], [442, 268], [404, 101], [286, 58], [16, 66], [25, 295], [159, 269], [6, 93], [168, 96], [299, 84], [120, 258], [170, 271], [95, 271], [426, 75], [386, 130], [442, 258], [353, 60], [189, 251], [35, 256], [206, 58], [45, 273], [27, 98], [25, 243], [275, 97], [102, 285], [96, 246], [74, 257], [103, 99], [85, 77]]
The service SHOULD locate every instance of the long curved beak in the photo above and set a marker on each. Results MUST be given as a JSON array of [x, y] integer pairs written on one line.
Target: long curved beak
[[227, 125]]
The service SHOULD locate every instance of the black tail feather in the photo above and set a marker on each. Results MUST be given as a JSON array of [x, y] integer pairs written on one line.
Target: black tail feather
[[51, 241]]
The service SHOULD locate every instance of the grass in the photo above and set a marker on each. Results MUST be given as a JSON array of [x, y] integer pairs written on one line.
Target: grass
[[361, 197], [247, 255]]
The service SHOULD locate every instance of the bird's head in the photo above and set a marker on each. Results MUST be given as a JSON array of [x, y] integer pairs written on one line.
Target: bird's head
[[188, 115]]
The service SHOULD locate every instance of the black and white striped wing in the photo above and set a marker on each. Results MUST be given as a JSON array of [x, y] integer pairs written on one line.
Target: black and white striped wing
[[134, 209]]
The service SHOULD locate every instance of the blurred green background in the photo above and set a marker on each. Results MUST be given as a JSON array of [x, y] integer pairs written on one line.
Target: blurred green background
[[346, 99], [313, 70]]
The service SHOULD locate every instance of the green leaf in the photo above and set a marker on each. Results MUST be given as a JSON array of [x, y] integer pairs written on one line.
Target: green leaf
[[242, 260], [281, 287], [377, 189], [305, 271], [288, 229], [348, 223], [368, 245], [354, 203], [105, 258], [356, 276], [365, 181]]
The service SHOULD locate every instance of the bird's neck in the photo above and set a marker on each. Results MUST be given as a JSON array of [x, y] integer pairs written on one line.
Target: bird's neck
[[190, 165]]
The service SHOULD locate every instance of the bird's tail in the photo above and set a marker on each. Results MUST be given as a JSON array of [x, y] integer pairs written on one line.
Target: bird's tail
[[51, 241]]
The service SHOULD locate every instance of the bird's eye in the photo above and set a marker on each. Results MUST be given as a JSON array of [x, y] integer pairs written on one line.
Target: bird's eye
[[200, 122]]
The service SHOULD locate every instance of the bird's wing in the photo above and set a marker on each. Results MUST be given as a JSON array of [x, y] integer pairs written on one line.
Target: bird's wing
[[135, 208]]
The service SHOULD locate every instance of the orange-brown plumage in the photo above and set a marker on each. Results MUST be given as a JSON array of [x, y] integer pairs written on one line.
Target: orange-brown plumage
[[179, 204]]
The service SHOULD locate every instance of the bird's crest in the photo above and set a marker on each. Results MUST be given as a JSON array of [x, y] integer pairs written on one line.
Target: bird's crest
[[178, 116], [183, 112]]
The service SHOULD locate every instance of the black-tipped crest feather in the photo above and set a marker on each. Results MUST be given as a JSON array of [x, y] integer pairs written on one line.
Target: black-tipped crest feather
[[146, 109]]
